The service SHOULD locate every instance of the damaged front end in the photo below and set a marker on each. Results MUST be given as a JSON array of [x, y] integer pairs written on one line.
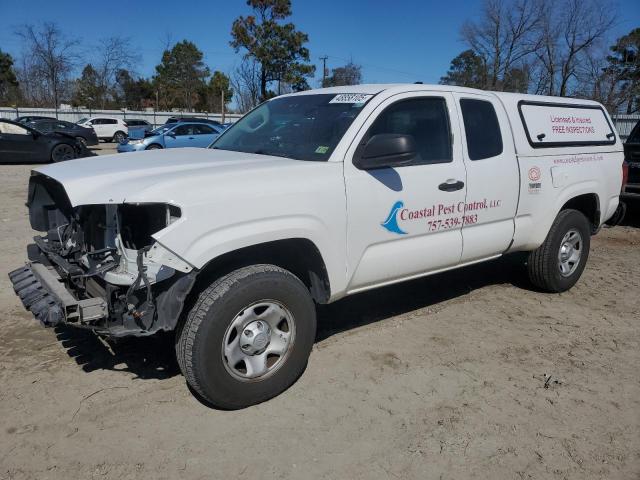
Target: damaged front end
[[99, 267]]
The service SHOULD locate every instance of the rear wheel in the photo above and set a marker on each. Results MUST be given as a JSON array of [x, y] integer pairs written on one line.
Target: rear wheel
[[559, 262], [248, 336], [62, 151], [119, 137]]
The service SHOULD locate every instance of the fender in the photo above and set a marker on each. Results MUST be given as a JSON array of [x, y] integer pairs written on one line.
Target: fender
[[215, 242], [530, 235]]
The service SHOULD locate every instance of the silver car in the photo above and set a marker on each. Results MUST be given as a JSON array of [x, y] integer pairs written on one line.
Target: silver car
[[184, 134]]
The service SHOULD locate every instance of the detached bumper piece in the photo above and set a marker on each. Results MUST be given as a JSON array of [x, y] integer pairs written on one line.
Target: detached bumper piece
[[42, 292]]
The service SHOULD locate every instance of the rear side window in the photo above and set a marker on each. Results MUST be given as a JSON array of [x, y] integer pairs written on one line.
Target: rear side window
[[482, 129], [565, 125], [426, 119]]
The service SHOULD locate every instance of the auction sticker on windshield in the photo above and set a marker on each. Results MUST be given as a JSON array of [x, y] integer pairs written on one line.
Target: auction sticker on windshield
[[351, 98]]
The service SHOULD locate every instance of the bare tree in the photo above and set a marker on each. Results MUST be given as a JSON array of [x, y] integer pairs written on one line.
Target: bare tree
[[503, 37], [594, 80], [245, 81], [114, 54], [567, 33], [49, 57]]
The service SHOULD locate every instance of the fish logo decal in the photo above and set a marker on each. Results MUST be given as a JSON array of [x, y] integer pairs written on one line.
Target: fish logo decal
[[391, 223]]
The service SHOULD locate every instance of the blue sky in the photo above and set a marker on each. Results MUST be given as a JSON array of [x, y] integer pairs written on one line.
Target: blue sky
[[395, 41]]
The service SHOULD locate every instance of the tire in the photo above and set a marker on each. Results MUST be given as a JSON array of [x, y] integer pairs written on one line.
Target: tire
[[154, 146], [82, 141], [218, 323], [550, 267], [63, 151], [119, 137]]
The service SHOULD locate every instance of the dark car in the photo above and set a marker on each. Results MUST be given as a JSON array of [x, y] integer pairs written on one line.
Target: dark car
[[632, 157], [191, 119], [32, 118], [21, 143], [86, 136]]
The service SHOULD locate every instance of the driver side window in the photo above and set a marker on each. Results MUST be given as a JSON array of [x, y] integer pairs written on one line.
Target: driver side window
[[183, 130], [426, 120]]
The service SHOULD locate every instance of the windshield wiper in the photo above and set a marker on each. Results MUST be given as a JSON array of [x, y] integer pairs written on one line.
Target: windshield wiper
[[274, 154]]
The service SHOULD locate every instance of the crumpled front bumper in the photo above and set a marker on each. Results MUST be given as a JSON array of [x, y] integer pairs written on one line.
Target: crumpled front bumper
[[42, 292]]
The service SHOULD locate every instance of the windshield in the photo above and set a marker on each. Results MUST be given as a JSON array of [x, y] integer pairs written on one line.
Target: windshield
[[303, 127]]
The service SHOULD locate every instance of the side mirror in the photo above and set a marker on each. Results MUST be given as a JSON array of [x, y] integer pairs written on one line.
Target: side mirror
[[171, 134], [386, 150]]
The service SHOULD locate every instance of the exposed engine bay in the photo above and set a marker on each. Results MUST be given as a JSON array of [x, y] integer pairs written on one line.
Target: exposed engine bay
[[99, 267]]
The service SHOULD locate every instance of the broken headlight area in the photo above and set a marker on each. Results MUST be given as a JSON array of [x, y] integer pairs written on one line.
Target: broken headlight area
[[106, 255]]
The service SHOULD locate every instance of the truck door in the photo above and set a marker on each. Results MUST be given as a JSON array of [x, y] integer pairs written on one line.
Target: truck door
[[404, 221], [493, 177]]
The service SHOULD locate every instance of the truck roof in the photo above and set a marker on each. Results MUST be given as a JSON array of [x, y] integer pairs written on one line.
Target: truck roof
[[506, 97]]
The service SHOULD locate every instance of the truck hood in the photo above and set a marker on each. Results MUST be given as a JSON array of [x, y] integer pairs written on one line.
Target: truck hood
[[159, 175]]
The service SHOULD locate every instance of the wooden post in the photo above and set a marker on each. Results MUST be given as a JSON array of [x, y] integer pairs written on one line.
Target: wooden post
[[222, 91]]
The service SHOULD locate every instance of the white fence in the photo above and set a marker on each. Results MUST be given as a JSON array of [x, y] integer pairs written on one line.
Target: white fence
[[73, 115], [624, 124]]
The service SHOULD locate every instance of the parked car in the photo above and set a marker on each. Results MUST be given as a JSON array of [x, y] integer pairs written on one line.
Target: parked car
[[309, 198], [21, 143], [632, 157], [173, 136], [109, 129], [85, 135], [210, 121], [31, 118], [138, 126]]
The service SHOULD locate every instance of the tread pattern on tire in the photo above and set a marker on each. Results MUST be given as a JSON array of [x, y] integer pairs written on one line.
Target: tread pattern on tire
[[187, 332]]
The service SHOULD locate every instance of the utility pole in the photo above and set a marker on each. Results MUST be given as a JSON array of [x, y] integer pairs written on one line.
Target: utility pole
[[222, 100], [324, 68]]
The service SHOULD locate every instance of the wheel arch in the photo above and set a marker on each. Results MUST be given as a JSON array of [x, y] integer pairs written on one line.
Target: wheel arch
[[300, 256], [589, 205]]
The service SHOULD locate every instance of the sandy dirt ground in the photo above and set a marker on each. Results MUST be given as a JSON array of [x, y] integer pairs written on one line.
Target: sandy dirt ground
[[441, 378]]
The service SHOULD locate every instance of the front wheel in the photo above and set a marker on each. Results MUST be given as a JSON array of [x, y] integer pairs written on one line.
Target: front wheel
[[248, 336], [559, 262], [62, 152]]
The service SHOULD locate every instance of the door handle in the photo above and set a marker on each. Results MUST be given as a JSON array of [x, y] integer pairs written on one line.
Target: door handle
[[451, 185]]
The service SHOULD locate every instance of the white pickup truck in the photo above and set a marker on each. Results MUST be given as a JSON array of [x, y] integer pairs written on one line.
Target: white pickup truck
[[308, 198]]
